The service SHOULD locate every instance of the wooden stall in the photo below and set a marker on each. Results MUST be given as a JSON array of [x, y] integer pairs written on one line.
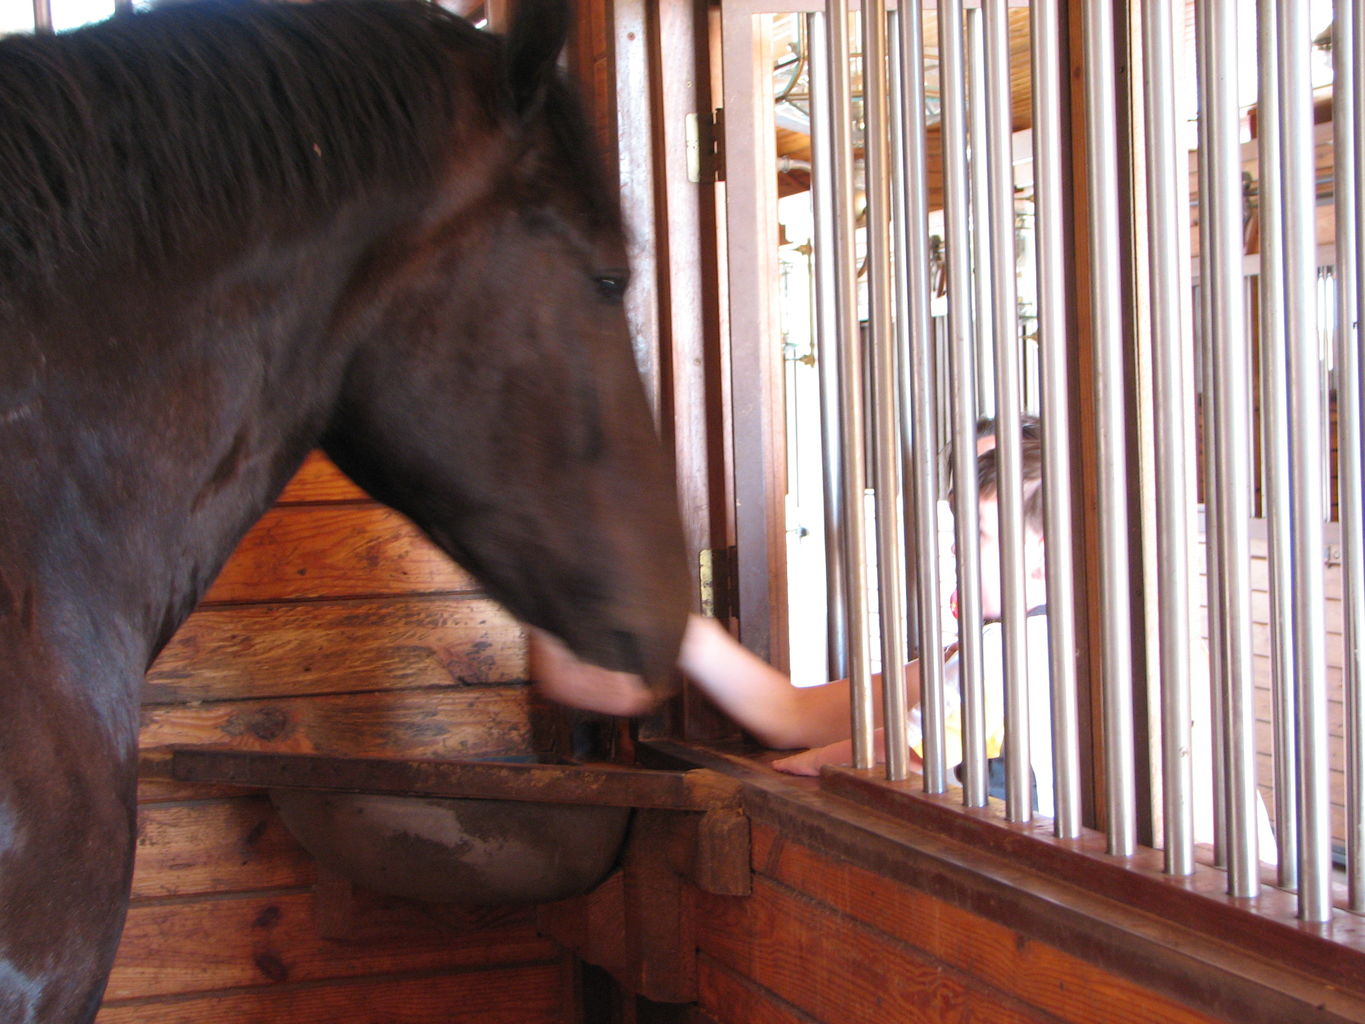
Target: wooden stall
[[337, 629], [740, 896]]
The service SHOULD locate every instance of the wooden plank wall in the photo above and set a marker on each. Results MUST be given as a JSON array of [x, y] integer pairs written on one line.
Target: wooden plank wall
[[335, 628], [822, 941]]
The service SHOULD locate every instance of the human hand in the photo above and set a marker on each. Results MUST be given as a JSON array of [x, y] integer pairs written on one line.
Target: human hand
[[809, 762]]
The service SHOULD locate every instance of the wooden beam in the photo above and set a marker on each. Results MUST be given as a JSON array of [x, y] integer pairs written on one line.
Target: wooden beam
[[1217, 960], [599, 785], [1199, 901]]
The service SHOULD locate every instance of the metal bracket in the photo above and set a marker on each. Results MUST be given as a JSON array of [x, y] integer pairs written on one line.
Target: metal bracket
[[716, 576], [705, 147]]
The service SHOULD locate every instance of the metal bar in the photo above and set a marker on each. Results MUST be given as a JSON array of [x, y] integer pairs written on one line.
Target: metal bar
[[1052, 333], [1222, 275], [983, 299], [42, 15], [979, 205], [1211, 466], [826, 345], [918, 386], [1349, 470], [962, 360], [900, 281], [851, 389], [886, 451], [1170, 348], [1275, 446], [1008, 399], [1305, 401], [1355, 46], [1111, 453]]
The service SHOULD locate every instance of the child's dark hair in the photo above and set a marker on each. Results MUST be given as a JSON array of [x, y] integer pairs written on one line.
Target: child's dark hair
[[1031, 461], [1030, 426]]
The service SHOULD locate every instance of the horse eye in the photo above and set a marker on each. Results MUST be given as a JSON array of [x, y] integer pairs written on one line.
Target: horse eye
[[611, 287]]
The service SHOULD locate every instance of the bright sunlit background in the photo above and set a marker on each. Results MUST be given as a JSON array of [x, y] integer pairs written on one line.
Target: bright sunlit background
[[17, 15]]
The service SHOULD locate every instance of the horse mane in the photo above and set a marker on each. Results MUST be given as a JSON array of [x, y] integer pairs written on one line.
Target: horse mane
[[136, 138]]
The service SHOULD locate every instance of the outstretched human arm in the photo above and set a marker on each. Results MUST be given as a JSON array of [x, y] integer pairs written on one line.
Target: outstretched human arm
[[755, 695], [764, 701]]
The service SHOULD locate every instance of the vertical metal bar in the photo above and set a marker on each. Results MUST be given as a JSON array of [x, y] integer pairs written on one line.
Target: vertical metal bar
[[1275, 446], [900, 282], [979, 205], [962, 359], [1106, 313], [1305, 401], [1170, 346], [1052, 333], [1349, 469], [1008, 398], [1222, 265], [1355, 47], [983, 299], [42, 15], [851, 388], [823, 202], [1212, 490], [886, 451], [916, 343], [918, 386]]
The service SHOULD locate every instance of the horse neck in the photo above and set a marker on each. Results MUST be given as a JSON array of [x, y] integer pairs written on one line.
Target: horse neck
[[173, 416]]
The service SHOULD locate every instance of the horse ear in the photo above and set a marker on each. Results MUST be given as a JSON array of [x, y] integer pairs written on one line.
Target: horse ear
[[539, 30]]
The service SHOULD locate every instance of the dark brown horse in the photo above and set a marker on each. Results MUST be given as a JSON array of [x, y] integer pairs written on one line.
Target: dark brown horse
[[229, 233]]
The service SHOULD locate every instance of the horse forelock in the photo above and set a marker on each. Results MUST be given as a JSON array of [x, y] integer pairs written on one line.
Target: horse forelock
[[579, 159], [200, 123]]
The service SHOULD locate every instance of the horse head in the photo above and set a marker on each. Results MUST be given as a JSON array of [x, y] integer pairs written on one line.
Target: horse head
[[499, 314]]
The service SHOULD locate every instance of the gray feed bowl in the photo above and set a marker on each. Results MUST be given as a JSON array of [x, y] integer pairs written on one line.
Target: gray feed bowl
[[469, 852]]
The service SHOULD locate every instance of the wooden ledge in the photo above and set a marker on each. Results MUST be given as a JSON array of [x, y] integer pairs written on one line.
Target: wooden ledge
[[1212, 956], [1334, 951], [598, 785]]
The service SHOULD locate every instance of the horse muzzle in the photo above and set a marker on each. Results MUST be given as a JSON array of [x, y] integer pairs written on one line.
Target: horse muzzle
[[567, 679]]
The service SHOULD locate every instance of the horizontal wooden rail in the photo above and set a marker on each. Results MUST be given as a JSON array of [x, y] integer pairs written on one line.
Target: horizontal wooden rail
[[598, 785], [1184, 939], [1334, 951]]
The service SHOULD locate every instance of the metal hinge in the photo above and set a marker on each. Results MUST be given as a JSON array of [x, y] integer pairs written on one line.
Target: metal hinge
[[719, 592], [706, 147]]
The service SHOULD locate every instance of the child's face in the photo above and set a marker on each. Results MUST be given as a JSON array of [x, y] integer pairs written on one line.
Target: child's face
[[992, 597], [992, 588]]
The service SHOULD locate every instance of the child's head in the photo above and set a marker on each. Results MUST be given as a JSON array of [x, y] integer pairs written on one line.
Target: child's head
[[988, 488], [1031, 472], [1030, 428]]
